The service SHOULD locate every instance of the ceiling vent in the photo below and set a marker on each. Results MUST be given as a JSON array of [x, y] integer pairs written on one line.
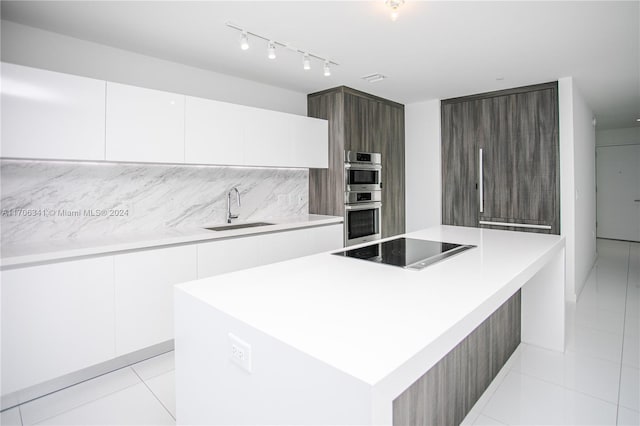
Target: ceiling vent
[[372, 78]]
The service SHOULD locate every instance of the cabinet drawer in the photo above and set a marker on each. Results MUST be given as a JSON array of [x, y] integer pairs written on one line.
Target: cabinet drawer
[[144, 294], [56, 319]]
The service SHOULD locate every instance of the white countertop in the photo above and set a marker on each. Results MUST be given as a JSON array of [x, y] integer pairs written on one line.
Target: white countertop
[[25, 254], [368, 320]]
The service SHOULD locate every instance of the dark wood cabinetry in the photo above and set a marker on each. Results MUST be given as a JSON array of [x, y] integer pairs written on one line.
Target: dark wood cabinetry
[[360, 122], [516, 178], [445, 394]]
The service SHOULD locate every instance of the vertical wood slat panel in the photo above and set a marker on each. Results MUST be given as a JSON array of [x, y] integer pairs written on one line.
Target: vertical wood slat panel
[[518, 131], [445, 394], [460, 205], [326, 186], [360, 122]]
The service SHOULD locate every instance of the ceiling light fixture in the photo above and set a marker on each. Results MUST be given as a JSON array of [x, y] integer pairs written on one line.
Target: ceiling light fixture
[[306, 62], [244, 41], [327, 70], [394, 5], [271, 48]]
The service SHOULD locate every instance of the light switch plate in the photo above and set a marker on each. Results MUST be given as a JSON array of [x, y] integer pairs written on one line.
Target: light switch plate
[[240, 352]]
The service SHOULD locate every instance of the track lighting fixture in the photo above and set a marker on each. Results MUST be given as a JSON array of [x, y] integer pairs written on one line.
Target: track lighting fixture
[[244, 41], [306, 62], [271, 48]]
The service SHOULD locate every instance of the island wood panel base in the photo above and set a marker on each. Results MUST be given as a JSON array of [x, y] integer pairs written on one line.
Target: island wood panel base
[[445, 394]]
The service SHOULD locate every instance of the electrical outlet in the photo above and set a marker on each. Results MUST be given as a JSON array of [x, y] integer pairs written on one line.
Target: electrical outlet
[[240, 352]]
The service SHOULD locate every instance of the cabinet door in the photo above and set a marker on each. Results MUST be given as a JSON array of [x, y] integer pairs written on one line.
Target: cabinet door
[[50, 115], [459, 164], [310, 142], [144, 125], [281, 246], [520, 159], [222, 256], [214, 132], [56, 319], [390, 126], [357, 131], [144, 294], [268, 139], [326, 238]]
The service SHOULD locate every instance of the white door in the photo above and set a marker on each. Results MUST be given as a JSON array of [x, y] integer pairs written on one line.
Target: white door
[[618, 197]]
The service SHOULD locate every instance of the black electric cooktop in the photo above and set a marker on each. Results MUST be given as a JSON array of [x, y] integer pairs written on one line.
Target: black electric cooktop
[[409, 253]]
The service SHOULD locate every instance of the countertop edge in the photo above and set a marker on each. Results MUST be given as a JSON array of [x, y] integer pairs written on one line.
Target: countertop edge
[[191, 236]]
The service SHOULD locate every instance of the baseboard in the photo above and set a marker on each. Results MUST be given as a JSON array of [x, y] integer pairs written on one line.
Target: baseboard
[[37, 391]]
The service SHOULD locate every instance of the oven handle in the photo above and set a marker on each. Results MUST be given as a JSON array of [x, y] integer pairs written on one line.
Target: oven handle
[[362, 206], [362, 166]]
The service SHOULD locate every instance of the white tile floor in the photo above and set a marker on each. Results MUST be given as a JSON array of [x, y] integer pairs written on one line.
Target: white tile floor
[[596, 381]]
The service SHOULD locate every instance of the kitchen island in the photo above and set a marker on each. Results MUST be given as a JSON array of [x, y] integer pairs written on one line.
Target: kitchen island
[[327, 339]]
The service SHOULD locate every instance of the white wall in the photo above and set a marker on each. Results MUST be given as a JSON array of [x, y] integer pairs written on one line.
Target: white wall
[[33, 47], [422, 162], [577, 185], [624, 136]]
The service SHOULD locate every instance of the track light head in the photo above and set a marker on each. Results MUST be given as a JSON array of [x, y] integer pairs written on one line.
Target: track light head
[[271, 50], [306, 62], [244, 41], [327, 69]]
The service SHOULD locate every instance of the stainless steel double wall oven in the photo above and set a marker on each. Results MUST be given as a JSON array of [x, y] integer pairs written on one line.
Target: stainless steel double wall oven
[[362, 197]]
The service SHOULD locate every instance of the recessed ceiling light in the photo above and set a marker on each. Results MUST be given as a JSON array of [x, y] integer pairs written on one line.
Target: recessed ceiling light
[[637, 119], [499, 78], [372, 78]]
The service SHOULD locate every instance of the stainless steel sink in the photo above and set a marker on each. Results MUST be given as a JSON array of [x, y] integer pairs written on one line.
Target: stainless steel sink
[[238, 226]]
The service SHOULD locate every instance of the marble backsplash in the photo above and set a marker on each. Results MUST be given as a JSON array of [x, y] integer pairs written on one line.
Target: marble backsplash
[[51, 200]]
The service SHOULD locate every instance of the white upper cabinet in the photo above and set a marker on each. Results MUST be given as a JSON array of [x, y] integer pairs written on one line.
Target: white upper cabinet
[[144, 125], [214, 132], [285, 140], [310, 142], [49, 115], [269, 139]]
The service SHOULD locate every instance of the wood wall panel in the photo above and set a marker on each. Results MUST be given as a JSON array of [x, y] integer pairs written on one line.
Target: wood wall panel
[[445, 394], [359, 121], [518, 132], [326, 186]]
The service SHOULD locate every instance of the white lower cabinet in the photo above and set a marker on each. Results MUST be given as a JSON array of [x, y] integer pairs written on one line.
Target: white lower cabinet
[[222, 256], [281, 246], [230, 255], [56, 319], [327, 238], [62, 317], [144, 294]]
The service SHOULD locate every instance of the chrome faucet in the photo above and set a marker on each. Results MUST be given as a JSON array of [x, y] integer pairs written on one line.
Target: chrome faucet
[[229, 215]]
